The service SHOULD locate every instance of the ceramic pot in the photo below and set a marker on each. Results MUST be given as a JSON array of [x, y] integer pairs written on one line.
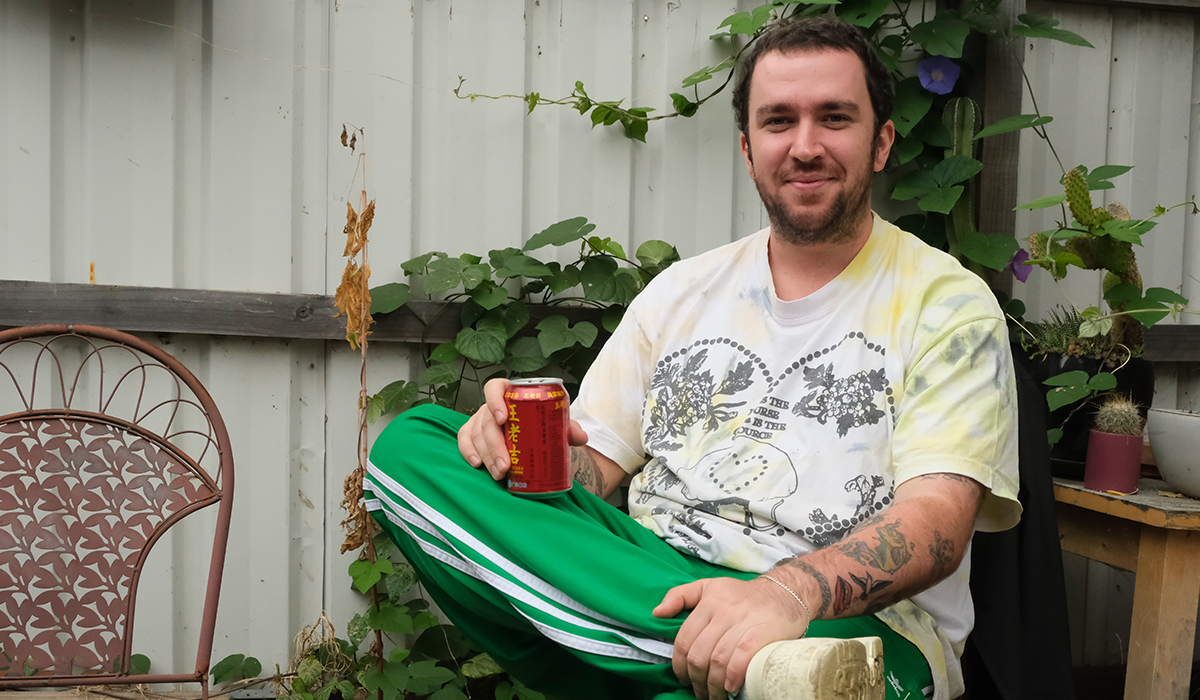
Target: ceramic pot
[[1175, 439], [1114, 462]]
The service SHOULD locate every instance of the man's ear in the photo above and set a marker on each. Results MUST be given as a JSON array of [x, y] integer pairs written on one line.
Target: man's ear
[[747, 154], [883, 144]]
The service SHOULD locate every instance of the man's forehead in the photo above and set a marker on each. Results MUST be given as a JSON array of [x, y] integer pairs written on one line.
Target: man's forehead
[[831, 59]]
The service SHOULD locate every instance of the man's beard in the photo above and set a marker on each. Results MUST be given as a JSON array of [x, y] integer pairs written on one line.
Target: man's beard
[[838, 224]]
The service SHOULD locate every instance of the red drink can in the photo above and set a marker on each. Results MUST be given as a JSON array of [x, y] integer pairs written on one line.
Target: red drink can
[[536, 436]]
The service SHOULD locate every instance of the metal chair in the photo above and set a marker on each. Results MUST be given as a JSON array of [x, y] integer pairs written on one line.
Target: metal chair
[[105, 442]]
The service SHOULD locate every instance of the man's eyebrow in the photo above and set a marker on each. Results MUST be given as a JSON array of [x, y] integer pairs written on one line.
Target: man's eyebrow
[[848, 106]]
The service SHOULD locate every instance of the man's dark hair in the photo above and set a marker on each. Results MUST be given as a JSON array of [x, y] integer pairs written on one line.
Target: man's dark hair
[[810, 34]]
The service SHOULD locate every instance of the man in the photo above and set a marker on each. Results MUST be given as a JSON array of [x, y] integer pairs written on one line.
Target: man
[[816, 417]]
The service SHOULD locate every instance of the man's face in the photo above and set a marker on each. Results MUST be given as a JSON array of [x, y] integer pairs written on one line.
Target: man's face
[[810, 150]]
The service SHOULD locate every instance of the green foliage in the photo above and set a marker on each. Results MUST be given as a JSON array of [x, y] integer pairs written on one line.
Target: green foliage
[[235, 667], [499, 337]]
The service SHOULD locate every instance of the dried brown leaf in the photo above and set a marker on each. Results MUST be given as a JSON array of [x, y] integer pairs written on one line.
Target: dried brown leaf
[[353, 140], [351, 232], [344, 134], [364, 221]]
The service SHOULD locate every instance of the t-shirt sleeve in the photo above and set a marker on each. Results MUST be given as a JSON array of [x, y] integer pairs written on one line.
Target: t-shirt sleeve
[[958, 414], [609, 405]]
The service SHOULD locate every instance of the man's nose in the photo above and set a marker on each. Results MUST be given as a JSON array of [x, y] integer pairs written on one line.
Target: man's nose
[[806, 143]]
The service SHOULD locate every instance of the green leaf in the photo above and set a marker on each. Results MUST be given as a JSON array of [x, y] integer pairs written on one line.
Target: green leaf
[[942, 200], [917, 183], [427, 677], [1092, 327], [524, 693], [561, 233], [1127, 231], [444, 274], [1103, 381], [955, 169], [905, 149], [228, 669], [612, 316], [471, 312], [499, 257], [425, 620], [309, 670], [862, 13], [747, 22], [1122, 292], [449, 693], [364, 574], [513, 318], [912, 104], [440, 373], [1165, 296], [139, 665], [481, 666], [597, 278], [556, 334], [564, 279], [443, 642], [475, 274], [993, 250], [357, 631], [1148, 311], [446, 352], [1021, 121], [1073, 378], [1037, 26], [635, 129], [390, 618], [489, 295], [484, 344], [932, 131], [391, 681], [1043, 202], [375, 408], [1065, 396], [399, 582], [654, 253], [1053, 436], [523, 265], [470, 258], [525, 355], [398, 395], [399, 655], [386, 298], [417, 265], [941, 36], [683, 105]]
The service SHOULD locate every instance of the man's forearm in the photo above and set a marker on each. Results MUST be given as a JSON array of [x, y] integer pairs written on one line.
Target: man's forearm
[[896, 554], [586, 472]]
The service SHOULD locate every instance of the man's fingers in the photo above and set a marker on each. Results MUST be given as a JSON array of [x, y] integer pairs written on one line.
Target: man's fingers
[[735, 670], [466, 446], [685, 597], [577, 437], [493, 393]]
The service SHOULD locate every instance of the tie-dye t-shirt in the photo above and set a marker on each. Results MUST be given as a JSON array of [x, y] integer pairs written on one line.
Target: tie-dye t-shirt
[[758, 429]]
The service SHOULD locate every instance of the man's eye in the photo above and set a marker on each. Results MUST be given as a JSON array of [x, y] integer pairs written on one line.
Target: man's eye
[[837, 118]]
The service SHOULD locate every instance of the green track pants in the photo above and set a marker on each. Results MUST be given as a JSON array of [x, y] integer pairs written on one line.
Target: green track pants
[[558, 591]]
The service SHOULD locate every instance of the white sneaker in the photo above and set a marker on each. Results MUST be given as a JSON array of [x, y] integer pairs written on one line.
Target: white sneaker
[[816, 669]]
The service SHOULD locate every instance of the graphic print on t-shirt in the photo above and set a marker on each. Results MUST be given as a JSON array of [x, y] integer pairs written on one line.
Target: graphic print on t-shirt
[[720, 430]]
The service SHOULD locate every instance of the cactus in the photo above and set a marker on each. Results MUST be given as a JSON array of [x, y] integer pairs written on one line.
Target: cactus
[[1078, 198], [1119, 415]]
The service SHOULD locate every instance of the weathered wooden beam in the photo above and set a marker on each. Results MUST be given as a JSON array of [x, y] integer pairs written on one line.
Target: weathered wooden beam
[[211, 312], [1167, 5], [1172, 343]]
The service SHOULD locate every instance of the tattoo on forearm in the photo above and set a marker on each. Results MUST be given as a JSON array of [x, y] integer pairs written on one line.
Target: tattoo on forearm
[[585, 471], [889, 555], [842, 595], [942, 551], [822, 582]]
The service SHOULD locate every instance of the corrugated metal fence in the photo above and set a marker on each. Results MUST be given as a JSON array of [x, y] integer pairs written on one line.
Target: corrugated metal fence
[[194, 144]]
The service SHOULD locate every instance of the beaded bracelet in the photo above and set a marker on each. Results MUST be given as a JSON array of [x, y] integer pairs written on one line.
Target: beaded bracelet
[[804, 605]]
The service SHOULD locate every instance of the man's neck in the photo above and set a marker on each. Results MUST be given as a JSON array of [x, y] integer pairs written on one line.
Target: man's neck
[[800, 270]]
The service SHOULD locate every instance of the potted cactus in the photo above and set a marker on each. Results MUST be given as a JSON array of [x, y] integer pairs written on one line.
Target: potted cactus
[[1114, 454], [1080, 353]]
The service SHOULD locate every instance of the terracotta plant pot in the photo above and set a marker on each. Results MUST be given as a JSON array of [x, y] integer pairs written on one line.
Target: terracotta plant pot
[[1114, 462]]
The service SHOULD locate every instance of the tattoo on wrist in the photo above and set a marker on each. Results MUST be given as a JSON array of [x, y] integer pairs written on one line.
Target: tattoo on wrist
[[585, 471]]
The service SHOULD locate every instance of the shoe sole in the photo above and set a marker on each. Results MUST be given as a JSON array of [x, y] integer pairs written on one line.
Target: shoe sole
[[817, 669]]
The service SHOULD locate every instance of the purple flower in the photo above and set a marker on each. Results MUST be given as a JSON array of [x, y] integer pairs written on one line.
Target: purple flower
[[938, 74], [1017, 265]]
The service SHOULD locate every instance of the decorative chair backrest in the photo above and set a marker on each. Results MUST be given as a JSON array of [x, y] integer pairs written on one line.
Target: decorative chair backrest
[[105, 442]]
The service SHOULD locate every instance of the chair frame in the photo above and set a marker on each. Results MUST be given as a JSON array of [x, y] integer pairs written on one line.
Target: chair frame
[[44, 335]]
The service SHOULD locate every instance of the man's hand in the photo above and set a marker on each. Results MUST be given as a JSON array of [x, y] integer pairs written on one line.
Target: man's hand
[[481, 439], [730, 621]]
